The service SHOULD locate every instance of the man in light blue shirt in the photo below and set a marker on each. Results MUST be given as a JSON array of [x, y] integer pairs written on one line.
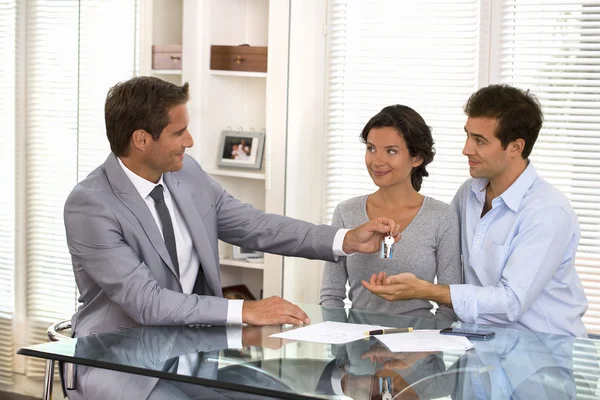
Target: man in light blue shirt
[[519, 234]]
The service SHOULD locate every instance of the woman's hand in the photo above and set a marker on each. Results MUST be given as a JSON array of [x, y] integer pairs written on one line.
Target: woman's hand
[[397, 287], [406, 286], [392, 360]]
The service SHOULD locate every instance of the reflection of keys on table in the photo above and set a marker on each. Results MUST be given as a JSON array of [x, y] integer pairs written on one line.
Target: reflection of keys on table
[[385, 392], [387, 247]]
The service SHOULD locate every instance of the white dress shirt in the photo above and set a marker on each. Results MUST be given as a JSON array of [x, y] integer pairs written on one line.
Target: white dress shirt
[[186, 253]]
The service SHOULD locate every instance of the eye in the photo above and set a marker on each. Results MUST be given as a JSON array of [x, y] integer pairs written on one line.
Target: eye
[[479, 141], [392, 151], [370, 149]]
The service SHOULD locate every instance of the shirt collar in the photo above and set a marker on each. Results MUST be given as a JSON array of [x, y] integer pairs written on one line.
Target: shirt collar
[[143, 186], [512, 196]]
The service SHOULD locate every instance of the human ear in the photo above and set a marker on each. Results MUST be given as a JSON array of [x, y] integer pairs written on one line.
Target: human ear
[[139, 139], [517, 146], [417, 160]]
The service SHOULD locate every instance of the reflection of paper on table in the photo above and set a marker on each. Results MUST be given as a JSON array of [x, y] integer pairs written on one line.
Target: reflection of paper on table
[[424, 340], [328, 332]]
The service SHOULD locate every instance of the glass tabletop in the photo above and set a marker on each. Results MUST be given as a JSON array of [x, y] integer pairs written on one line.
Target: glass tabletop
[[513, 365]]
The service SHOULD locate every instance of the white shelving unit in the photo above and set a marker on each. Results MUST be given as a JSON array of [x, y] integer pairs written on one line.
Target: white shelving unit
[[165, 72], [214, 72], [241, 263], [222, 99], [160, 22], [237, 174]]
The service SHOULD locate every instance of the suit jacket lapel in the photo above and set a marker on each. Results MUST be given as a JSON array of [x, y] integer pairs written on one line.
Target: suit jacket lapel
[[182, 196], [130, 197]]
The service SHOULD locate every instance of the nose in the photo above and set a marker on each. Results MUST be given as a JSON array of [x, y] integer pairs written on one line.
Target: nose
[[189, 142], [379, 158], [467, 149]]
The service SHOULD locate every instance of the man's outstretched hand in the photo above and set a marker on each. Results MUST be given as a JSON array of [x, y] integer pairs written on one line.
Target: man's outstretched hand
[[406, 286], [367, 237], [273, 311]]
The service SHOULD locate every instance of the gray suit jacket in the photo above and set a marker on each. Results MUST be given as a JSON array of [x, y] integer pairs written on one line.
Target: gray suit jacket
[[122, 266]]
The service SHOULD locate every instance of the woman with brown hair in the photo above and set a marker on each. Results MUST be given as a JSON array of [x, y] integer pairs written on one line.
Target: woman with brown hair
[[399, 146]]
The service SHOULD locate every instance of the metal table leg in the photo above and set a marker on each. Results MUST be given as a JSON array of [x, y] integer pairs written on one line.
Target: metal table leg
[[70, 372], [48, 380]]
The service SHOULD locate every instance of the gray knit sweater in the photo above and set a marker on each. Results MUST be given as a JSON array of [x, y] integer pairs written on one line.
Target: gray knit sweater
[[429, 247]]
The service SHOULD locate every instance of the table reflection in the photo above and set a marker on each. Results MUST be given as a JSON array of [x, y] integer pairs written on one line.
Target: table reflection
[[145, 363]]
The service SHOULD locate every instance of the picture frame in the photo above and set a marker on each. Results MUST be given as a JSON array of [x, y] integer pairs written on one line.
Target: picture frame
[[241, 149], [239, 253], [238, 292]]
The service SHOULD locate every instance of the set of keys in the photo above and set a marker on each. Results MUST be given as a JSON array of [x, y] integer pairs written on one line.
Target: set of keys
[[387, 252], [387, 247]]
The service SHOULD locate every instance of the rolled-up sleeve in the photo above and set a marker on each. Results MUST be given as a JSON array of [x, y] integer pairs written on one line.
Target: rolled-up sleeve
[[464, 302]]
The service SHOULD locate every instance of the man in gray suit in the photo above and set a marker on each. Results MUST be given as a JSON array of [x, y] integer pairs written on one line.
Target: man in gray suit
[[142, 228]]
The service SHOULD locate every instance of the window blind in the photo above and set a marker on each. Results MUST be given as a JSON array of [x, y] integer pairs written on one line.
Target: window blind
[[76, 50], [425, 55], [8, 15], [422, 54], [51, 123], [553, 49]]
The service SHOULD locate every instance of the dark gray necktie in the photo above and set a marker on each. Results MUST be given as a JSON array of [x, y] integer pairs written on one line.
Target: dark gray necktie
[[167, 225]]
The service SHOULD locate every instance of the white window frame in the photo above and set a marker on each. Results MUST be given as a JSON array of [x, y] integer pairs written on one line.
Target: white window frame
[[20, 326]]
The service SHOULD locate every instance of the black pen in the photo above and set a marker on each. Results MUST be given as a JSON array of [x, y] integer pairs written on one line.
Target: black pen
[[389, 330]]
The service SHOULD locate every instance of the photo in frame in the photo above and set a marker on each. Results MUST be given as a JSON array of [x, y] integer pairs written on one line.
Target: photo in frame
[[241, 149]]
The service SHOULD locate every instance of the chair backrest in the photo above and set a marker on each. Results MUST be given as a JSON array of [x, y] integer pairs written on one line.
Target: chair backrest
[[54, 330], [54, 335]]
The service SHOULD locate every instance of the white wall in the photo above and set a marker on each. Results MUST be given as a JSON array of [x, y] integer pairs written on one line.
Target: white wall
[[305, 138]]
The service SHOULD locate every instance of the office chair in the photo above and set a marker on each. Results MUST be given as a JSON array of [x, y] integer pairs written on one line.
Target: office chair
[[54, 335]]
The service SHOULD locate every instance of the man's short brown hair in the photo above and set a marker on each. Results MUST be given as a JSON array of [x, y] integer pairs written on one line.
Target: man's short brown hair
[[140, 103], [518, 113]]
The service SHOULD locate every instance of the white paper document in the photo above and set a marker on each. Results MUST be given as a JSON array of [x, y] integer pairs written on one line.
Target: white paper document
[[339, 333], [424, 340], [328, 332]]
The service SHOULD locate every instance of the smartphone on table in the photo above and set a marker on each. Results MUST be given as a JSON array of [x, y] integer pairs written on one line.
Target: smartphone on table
[[473, 334]]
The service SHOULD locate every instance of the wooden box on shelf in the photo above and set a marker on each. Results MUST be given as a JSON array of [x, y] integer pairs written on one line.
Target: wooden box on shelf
[[166, 56], [239, 58]]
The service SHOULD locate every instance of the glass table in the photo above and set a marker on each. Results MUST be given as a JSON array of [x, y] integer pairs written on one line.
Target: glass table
[[136, 363]]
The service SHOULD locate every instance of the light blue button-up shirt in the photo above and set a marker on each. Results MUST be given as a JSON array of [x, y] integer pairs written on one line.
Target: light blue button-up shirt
[[519, 259]]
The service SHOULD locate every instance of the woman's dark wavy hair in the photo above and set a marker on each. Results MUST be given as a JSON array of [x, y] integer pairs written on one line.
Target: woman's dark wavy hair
[[415, 132]]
